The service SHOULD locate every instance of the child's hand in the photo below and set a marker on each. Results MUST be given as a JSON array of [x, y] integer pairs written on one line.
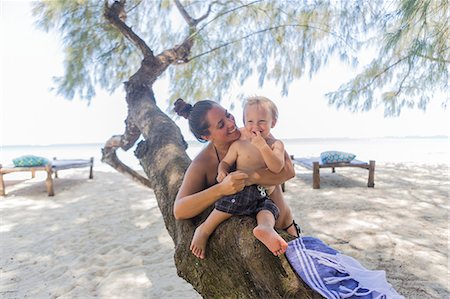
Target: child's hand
[[258, 140], [221, 175], [233, 183]]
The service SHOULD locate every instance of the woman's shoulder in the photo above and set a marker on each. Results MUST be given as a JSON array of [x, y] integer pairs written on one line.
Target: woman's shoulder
[[203, 168], [198, 167], [203, 158]]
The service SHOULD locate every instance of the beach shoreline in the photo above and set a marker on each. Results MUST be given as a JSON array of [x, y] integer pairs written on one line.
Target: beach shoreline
[[106, 237]]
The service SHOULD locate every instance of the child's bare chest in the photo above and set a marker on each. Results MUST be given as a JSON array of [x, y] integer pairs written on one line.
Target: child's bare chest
[[249, 157]]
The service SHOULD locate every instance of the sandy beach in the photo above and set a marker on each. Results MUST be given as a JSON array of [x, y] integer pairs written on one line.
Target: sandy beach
[[106, 238]]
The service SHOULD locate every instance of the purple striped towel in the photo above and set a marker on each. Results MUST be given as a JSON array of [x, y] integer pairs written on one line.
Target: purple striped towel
[[334, 275]]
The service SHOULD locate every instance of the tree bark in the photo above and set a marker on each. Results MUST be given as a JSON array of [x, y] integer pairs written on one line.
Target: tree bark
[[237, 264]]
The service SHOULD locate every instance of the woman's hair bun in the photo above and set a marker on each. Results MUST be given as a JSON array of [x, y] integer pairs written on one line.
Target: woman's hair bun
[[182, 108]]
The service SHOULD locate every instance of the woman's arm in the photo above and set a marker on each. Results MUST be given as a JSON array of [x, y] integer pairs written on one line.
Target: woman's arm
[[266, 177], [194, 196]]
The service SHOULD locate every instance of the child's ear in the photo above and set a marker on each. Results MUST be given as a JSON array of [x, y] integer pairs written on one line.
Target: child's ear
[[274, 122]]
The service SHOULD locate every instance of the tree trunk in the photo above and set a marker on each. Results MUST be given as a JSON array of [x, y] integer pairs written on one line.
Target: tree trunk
[[237, 264]]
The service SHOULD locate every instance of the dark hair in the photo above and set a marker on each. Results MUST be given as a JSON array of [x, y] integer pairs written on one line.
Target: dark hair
[[196, 115]]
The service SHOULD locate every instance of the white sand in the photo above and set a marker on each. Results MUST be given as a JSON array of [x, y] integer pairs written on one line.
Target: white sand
[[95, 238], [106, 238], [400, 226]]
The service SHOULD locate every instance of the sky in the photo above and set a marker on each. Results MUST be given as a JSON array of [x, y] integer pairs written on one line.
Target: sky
[[32, 114]]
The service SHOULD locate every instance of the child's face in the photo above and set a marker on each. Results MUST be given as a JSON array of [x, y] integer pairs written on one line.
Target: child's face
[[257, 118]]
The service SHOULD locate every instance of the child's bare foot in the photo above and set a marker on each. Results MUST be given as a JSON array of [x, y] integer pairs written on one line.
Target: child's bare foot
[[269, 237], [199, 241]]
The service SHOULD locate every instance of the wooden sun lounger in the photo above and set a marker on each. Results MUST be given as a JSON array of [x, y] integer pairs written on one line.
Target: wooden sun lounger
[[315, 164], [50, 168]]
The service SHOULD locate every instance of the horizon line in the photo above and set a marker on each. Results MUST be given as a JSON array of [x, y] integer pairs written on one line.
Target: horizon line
[[283, 139]]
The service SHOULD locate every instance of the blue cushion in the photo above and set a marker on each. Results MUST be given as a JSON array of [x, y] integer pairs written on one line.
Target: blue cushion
[[336, 157], [29, 161]]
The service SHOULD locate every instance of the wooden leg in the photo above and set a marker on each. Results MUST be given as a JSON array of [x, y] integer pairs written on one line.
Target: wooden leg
[[2, 185], [371, 181], [91, 173], [49, 180], [316, 175], [33, 173], [56, 173], [333, 170]]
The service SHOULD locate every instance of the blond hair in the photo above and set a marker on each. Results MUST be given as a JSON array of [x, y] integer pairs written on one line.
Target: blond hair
[[264, 102]]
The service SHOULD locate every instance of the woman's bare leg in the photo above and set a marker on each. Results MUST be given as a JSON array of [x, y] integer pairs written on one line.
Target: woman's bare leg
[[285, 219]]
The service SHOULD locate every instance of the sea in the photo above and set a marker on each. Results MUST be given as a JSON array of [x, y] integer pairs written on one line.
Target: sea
[[422, 150]]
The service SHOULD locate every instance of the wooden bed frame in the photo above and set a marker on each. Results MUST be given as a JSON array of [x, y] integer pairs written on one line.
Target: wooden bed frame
[[315, 164], [50, 168]]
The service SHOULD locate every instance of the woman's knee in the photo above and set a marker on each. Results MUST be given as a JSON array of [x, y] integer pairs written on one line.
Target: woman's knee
[[285, 217]]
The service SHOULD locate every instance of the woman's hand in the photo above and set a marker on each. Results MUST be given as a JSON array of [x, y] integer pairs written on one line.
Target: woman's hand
[[233, 183], [264, 176]]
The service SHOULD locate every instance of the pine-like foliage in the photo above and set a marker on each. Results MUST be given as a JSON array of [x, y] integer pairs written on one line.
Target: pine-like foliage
[[278, 40]]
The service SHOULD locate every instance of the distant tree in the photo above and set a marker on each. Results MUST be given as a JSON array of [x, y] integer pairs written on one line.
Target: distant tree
[[203, 47], [413, 59]]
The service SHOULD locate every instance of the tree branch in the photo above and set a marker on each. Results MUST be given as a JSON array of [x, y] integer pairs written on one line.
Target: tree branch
[[198, 20], [349, 89], [263, 31], [137, 4], [113, 14], [400, 87], [131, 135], [180, 53], [185, 48], [224, 13], [375, 77], [184, 14], [125, 142], [440, 60], [191, 21], [109, 157]]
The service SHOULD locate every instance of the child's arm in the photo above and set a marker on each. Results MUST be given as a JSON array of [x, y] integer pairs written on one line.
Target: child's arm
[[273, 155], [222, 171], [227, 161]]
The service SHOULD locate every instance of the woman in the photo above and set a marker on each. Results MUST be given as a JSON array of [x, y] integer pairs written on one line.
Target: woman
[[210, 122]]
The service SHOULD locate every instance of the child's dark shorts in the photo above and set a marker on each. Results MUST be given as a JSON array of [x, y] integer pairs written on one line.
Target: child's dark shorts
[[249, 201]]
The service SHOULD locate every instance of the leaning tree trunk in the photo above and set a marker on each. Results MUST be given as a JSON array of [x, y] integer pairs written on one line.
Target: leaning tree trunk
[[237, 265]]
